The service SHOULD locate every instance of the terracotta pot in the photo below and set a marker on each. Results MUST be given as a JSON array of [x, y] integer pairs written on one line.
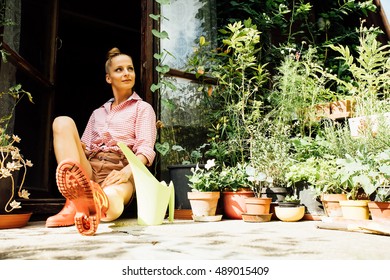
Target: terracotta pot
[[379, 210], [355, 209], [203, 203], [331, 204], [258, 205], [234, 203], [14, 220]]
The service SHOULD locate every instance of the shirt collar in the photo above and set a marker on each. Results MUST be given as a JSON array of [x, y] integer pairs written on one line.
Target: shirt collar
[[134, 96]]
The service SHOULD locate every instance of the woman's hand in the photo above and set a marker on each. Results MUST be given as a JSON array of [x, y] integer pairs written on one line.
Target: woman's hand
[[116, 177]]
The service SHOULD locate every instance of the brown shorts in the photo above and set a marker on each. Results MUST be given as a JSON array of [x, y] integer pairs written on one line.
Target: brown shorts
[[103, 163]]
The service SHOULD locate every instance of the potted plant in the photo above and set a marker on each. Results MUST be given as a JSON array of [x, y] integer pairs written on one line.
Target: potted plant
[[362, 175], [182, 161], [258, 205], [11, 164], [270, 152], [290, 201], [368, 83], [204, 183], [290, 209], [235, 189], [380, 207]]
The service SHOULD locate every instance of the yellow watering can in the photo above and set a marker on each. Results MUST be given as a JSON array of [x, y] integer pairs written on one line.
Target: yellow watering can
[[153, 197]]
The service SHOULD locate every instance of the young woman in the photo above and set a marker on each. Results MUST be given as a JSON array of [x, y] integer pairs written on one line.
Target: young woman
[[92, 174]]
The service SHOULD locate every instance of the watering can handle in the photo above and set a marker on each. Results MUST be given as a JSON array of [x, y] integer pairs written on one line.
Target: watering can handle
[[171, 205]]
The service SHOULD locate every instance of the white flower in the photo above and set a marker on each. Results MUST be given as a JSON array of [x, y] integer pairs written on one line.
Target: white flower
[[24, 194], [261, 177], [210, 163], [15, 205]]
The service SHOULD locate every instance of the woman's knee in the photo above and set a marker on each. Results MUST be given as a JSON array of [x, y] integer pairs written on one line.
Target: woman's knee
[[63, 123], [116, 206]]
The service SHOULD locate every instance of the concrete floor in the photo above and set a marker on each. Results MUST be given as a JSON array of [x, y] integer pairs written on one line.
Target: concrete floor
[[188, 240], [298, 250]]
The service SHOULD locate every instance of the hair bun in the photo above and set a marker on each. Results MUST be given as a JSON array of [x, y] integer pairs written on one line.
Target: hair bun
[[113, 52]]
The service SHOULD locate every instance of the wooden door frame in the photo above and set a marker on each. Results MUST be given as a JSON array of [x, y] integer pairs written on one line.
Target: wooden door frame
[[147, 73]]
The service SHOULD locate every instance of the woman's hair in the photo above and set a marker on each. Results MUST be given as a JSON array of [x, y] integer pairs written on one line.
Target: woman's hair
[[111, 54]]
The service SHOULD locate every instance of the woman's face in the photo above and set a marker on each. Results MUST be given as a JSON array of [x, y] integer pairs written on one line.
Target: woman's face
[[121, 73]]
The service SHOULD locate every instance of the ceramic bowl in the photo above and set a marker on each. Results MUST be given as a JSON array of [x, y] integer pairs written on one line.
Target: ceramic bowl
[[289, 214]]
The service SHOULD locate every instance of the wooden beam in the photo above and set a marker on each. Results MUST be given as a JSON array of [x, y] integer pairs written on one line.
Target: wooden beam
[[26, 67]]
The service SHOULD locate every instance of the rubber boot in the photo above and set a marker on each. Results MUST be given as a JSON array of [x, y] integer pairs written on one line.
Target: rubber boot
[[64, 218]]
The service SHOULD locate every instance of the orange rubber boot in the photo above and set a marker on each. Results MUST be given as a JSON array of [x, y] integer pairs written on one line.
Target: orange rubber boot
[[88, 197], [64, 218]]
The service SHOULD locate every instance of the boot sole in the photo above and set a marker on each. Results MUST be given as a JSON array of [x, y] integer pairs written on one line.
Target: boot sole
[[74, 184]]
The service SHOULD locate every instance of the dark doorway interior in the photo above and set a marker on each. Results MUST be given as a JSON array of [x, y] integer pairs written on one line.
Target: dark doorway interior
[[86, 31]]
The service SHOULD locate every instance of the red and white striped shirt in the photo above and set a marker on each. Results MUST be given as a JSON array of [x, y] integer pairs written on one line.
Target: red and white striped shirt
[[132, 122]]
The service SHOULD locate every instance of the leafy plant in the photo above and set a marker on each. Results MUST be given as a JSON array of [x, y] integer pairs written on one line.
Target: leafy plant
[[370, 83], [180, 154], [237, 98], [205, 179], [270, 149], [234, 178], [365, 171], [258, 179], [298, 88], [11, 160]]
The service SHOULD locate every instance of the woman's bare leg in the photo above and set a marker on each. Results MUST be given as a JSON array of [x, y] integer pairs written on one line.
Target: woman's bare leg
[[118, 196], [67, 143]]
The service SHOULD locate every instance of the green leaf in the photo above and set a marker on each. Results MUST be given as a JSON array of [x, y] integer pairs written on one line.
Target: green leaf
[[155, 17], [163, 2], [160, 35], [155, 87], [162, 148], [158, 56], [163, 69]]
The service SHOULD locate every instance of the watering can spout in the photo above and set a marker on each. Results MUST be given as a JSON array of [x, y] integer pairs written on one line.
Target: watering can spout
[[153, 197]]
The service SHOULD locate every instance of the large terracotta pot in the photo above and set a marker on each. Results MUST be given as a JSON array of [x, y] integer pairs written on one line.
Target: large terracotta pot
[[258, 205], [331, 204], [355, 209], [379, 210], [203, 203], [234, 203]]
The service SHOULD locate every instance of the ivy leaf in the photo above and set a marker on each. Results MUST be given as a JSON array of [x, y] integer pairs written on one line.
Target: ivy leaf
[[160, 35], [162, 148], [155, 17], [155, 87]]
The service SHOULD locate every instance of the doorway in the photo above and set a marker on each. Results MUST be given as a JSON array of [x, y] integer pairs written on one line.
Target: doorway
[[83, 34]]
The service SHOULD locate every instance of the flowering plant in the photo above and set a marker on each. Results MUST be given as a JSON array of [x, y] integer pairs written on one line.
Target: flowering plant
[[205, 179], [258, 179], [234, 178], [11, 160]]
